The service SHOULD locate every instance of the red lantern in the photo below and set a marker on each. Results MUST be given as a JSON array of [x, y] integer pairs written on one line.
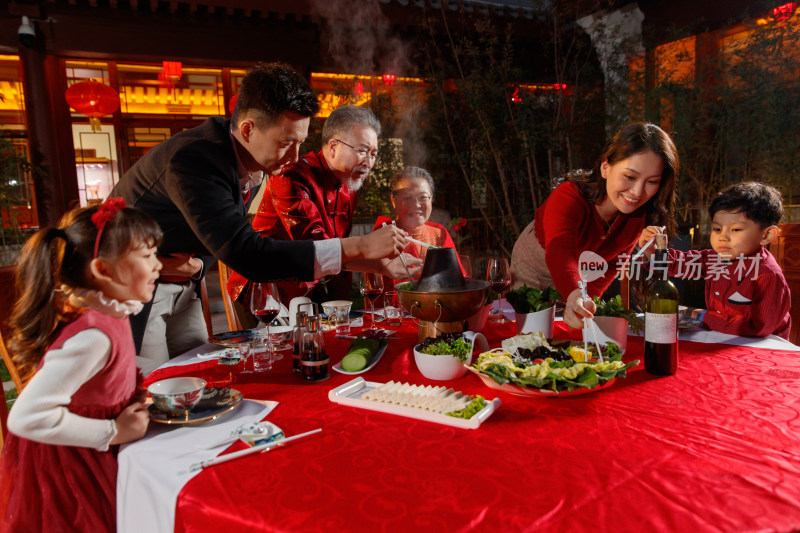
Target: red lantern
[[388, 79], [173, 70], [516, 98], [783, 12], [358, 88], [93, 99]]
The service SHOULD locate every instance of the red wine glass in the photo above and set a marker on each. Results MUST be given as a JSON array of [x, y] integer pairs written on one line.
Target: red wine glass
[[265, 305], [498, 275], [371, 289]]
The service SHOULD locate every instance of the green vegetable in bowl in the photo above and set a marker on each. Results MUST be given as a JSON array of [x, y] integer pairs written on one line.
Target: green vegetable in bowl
[[448, 344], [613, 307], [530, 300], [408, 286]]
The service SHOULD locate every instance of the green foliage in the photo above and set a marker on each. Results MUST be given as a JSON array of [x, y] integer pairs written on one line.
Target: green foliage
[[613, 307], [14, 171], [530, 300], [732, 117], [498, 137]]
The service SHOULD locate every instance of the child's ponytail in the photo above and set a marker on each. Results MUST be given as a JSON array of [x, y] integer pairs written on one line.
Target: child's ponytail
[[37, 312]]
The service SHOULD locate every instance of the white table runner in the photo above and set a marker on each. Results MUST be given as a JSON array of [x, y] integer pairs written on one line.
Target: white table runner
[[153, 470]]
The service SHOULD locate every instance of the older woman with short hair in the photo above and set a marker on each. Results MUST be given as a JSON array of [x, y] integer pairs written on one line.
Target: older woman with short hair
[[412, 198]]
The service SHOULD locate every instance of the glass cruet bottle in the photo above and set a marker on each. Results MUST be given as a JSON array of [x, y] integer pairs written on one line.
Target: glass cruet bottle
[[313, 359], [297, 340]]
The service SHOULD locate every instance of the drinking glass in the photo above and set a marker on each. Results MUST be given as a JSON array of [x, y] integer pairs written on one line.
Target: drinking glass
[[392, 309], [499, 277], [371, 289], [466, 264], [265, 305]]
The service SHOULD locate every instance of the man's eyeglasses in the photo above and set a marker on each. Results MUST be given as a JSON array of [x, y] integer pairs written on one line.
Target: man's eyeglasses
[[362, 152]]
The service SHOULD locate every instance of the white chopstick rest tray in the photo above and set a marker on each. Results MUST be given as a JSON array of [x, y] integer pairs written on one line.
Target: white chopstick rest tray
[[351, 394]]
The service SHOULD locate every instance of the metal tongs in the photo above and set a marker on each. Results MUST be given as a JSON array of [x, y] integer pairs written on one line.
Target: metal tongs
[[589, 323]]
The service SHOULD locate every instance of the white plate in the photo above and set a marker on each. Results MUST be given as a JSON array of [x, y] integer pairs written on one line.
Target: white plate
[[350, 394], [378, 355]]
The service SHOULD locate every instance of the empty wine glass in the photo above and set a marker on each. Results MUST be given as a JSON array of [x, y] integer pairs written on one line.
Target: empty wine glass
[[265, 305], [466, 264], [371, 289], [499, 277]]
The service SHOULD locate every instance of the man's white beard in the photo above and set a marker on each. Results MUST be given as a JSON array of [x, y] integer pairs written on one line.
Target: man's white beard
[[354, 184]]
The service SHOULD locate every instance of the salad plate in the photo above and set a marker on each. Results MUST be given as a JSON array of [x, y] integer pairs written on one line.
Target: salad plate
[[215, 402], [232, 338], [375, 359], [536, 393], [535, 373]]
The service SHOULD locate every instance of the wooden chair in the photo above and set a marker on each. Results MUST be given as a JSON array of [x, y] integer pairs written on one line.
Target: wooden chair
[[786, 250], [233, 320], [206, 309], [15, 377]]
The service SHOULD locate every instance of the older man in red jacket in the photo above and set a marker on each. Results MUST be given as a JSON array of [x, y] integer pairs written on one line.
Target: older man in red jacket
[[315, 198]]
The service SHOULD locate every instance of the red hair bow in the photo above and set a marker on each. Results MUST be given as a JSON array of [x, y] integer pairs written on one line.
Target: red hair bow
[[104, 214]]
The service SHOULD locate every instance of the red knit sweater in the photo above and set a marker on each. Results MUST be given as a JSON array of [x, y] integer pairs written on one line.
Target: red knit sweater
[[567, 225]]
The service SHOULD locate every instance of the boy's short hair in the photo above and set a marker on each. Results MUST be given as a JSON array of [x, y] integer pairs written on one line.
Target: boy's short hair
[[759, 202]]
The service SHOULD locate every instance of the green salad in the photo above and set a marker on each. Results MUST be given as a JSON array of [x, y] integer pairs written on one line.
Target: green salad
[[447, 344], [550, 374], [471, 410]]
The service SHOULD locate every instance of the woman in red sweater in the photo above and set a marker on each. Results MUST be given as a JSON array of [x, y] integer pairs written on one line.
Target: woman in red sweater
[[603, 211]]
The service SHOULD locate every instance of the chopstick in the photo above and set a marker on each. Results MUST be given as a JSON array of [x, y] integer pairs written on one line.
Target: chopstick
[[241, 453], [415, 241], [648, 243]]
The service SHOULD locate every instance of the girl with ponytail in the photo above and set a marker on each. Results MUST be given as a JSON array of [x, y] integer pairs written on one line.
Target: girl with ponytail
[[71, 341]]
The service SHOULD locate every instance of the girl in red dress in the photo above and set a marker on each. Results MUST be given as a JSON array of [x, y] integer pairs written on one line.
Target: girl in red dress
[[72, 343]]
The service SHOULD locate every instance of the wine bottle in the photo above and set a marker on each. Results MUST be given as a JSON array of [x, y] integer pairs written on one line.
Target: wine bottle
[[661, 317]]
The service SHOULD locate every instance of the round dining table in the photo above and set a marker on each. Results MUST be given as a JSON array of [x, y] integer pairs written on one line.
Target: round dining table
[[715, 447]]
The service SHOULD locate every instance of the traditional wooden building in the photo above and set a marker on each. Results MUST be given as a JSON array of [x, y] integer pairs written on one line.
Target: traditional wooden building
[[174, 63]]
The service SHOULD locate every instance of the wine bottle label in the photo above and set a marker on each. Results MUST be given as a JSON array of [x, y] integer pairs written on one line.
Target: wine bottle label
[[660, 328]]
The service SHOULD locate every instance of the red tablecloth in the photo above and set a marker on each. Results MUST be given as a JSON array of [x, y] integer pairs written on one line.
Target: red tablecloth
[[714, 448]]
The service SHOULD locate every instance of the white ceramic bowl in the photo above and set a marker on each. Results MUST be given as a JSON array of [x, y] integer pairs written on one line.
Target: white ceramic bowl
[[446, 367], [177, 396], [279, 335], [438, 367]]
